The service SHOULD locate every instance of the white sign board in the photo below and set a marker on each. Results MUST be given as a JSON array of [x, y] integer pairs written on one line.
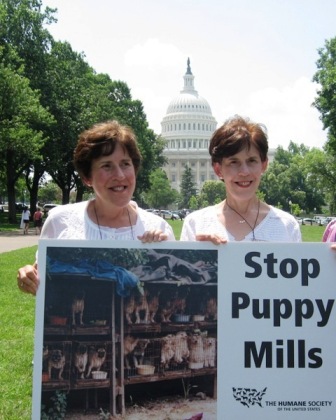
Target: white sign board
[[276, 341], [276, 333]]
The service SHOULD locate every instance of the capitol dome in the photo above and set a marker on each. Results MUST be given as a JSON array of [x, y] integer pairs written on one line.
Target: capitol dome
[[188, 101], [186, 129], [188, 112]]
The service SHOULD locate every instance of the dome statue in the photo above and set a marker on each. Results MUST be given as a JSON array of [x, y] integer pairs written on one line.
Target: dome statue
[[187, 128]]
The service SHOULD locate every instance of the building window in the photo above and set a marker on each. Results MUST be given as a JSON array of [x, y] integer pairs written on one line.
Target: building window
[[173, 178]]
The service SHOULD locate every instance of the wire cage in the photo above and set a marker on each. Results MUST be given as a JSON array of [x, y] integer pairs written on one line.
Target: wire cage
[[56, 365], [91, 363]]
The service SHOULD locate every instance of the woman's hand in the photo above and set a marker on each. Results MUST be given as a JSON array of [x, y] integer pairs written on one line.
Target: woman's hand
[[215, 239], [27, 279], [153, 236], [333, 247]]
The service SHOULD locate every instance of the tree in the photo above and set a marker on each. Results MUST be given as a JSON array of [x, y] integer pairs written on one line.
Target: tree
[[321, 169], [20, 113], [22, 30], [212, 192], [188, 188], [325, 101], [160, 194], [289, 178]]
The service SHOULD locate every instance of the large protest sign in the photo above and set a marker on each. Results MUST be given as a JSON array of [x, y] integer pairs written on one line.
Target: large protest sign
[[276, 331], [273, 324]]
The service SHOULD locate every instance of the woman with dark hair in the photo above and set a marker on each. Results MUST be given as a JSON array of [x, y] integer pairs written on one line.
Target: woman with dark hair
[[108, 159], [25, 218], [238, 151]]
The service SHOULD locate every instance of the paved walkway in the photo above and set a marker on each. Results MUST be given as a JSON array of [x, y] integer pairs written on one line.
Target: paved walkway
[[9, 241]]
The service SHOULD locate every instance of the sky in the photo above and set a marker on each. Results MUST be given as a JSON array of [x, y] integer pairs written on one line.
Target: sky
[[252, 58]]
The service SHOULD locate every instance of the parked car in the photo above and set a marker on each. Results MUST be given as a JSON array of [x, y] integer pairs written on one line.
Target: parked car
[[20, 206], [175, 216], [309, 221], [48, 207], [166, 214]]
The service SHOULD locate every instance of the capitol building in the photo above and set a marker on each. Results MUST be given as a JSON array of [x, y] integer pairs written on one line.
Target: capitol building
[[186, 129]]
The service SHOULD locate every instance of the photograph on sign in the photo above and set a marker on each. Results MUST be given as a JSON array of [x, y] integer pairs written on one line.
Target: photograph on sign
[[124, 325]]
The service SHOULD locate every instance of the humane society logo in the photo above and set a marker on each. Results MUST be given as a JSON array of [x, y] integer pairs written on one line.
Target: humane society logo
[[248, 396]]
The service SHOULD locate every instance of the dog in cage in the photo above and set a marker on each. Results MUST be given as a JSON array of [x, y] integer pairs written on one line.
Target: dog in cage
[[129, 308], [196, 348], [153, 305], [129, 345], [56, 362], [167, 306], [139, 351], [209, 349], [136, 308], [167, 350], [211, 309], [180, 347], [81, 359], [141, 308], [96, 358], [134, 350], [77, 308]]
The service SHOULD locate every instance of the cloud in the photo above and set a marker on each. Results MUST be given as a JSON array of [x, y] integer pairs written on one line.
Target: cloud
[[288, 114], [153, 56], [153, 72]]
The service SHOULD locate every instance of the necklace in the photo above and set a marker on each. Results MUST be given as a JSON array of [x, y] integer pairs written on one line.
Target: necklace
[[244, 220], [129, 220]]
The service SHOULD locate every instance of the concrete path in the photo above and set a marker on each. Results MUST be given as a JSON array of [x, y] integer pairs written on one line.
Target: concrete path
[[9, 241]]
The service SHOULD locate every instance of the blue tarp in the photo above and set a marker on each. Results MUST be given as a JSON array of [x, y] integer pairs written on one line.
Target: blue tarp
[[124, 279]]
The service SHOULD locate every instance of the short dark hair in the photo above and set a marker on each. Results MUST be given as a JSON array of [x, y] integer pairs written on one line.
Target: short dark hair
[[101, 140], [236, 134]]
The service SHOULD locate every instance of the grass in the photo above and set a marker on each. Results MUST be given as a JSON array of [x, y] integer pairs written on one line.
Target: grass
[[309, 233], [312, 233], [17, 315], [177, 227], [5, 226], [17, 337]]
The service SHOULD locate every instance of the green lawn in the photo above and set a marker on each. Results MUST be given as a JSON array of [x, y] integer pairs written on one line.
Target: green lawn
[[17, 329], [309, 233], [17, 336]]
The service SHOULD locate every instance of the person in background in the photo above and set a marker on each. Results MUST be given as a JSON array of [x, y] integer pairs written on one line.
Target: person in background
[[107, 158], [329, 234], [25, 218], [238, 151], [37, 218]]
